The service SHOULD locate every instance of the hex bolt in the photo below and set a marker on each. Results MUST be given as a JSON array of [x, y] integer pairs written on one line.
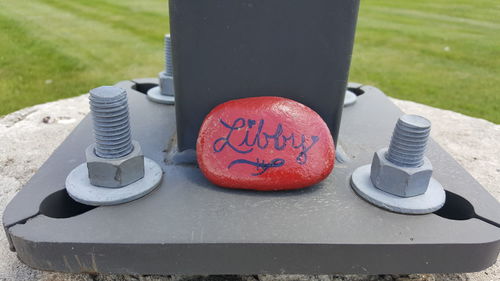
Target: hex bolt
[[402, 169], [115, 170], [409, 141], [111, 122], [400, 177], [169, 69], [165, 92]]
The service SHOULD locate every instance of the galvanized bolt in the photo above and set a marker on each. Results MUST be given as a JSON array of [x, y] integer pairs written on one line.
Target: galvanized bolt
[[169, 69], [111, 122], [409, 141], [165, 92], [402, 169], [400, 177], [114, 161], [116, 170]]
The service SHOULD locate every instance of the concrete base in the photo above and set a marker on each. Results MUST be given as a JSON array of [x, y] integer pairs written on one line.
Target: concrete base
[[189, 226]]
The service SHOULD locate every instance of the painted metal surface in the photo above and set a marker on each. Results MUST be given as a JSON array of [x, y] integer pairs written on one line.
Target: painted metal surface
[[226, 49], [188, 225]]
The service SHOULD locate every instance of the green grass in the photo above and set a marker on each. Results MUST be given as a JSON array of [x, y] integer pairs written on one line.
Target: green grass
[[53, 49], [437, 52]]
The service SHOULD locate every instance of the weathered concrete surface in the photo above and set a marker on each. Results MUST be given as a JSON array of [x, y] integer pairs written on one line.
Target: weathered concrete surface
[[28, 137]]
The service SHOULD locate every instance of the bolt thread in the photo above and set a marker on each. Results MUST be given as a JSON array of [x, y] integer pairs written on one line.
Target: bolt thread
[[109, 108], [169, 69], [409, 141]]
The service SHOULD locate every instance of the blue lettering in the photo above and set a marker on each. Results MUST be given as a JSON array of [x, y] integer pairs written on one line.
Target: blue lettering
[[261, 166], [262, 141]]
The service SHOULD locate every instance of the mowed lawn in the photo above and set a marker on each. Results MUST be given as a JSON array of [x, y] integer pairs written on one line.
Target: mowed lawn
[[437, 52]]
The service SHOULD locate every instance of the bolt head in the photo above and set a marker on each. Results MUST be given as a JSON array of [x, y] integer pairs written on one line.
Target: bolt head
[[397, 180], [166, 84], [115, 173]]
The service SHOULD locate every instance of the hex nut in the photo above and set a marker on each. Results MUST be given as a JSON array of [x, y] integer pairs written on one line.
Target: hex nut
[[166, 84], [115, 173], [397, 180]]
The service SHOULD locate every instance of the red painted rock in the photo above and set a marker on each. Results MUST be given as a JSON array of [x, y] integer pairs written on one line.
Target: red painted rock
[[264, 143]]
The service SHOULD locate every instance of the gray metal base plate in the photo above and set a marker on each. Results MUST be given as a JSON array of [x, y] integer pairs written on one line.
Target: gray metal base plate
[[190, 226]]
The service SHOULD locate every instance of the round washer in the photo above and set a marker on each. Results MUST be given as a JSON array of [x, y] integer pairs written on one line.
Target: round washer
[[432, 200], [79, 187], [154, 94], [350, 98]]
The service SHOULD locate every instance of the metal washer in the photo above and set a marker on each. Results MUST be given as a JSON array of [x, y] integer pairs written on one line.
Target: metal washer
[[350, 98], [80, 189], [432, 200], [154, 94]]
